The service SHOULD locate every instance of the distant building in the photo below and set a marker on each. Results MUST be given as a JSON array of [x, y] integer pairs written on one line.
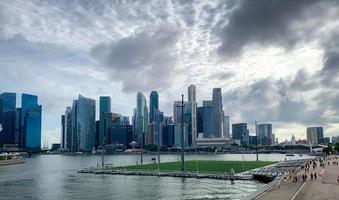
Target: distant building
[[324, 140], [85, 123], [335, 139], [226, 128], [121, 135], [264, 132], [7, 118], [193, 110], [217, 113], [293, 142], [177, 136], [253, 140], [213, 142], [31, 114], [312, 135], [240, 132], [153, 104], [149, 134], [205, 119], [141, 118], [168, 135], [105, 117]]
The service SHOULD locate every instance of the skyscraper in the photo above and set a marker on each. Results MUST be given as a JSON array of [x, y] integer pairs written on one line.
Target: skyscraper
[[226, 128], [141, 118], [314, 134], [67, 145], [63, 128], [205, 119], [217, 113], [31, 114], [7, 118], [74, 143], [264, 134], [193, 105], [105, 109], [240, 132], [153, 104], [85, 123]]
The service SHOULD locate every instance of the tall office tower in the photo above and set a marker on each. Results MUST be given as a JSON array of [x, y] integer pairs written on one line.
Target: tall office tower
[[320, 134], [31, 122], [104, 110], [177, 115], [226, 128], [141, 118], [264, 134], [68, 129], [157, 128], [153, 104], [193, 107], [125, 120], [217, 113], [8, 111], [85, 118], [134, 117], [313, 133], [74, 143], [240, 132], [168, 135], [17, 126], [205, 119], [149, 134], [168, 120], [63, 128]]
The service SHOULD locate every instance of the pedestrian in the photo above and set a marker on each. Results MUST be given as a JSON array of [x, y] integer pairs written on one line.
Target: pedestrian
[[315, 175], [279, 182], [311, 176], [338, 179]]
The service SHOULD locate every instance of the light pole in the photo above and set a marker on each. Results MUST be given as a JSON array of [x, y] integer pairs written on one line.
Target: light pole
[[256, 139], [103, 142]]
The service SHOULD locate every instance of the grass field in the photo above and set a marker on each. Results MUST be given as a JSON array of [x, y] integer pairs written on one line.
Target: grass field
[[207, 166]]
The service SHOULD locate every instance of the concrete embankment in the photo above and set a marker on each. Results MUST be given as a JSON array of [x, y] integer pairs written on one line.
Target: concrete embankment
[[11, 162], [167, 174]]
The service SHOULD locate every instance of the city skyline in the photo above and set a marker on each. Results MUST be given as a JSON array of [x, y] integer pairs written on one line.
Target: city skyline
[[272, 69]]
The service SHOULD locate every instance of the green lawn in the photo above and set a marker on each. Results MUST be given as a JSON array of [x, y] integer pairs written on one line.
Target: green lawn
[[208, 166]]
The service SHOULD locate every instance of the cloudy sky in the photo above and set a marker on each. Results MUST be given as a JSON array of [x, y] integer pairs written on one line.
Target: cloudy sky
[[276, 61]]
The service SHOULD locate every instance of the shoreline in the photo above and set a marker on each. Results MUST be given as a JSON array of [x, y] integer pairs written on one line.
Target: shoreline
[[11, 162]]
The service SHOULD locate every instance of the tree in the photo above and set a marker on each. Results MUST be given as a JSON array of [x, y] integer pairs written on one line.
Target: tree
[[336, 147]]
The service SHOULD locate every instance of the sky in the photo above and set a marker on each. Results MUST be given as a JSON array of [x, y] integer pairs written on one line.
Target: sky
[[276, 61]]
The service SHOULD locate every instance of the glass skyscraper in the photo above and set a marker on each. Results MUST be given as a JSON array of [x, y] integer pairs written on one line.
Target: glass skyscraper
[[141, 118], [30, 122], [240, 132], [104, 109], [85, 123], [153, 105], [7, 118], [218, 117]]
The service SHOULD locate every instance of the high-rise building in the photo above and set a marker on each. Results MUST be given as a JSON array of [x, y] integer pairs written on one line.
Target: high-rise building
[[7, 117], [177, 112], [104, 118], [193, 108], [74, 143], [141, 117], [240, 132], [168, 135], [217, 113], [121, 135], [31, 114], [264, 134], [67, 144], [63, 135], [149, 134], [85, 121], [157, 128], [205, 119], [153, 104], [177, 135], [313, 133], [226, 128]]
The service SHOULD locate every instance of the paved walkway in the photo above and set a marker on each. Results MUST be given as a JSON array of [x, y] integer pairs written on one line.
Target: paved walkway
[[325, 187]]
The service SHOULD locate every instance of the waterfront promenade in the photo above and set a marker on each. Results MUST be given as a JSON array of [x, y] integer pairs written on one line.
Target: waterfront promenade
[[325, 187]]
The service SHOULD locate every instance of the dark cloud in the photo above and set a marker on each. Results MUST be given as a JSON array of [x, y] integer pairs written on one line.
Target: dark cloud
[[265, 23], [142, 61]]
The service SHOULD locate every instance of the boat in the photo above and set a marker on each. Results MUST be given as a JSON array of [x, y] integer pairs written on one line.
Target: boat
[[289, 154]]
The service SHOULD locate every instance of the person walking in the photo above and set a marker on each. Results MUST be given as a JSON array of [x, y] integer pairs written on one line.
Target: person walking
[[315, 175], [311, 176]]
